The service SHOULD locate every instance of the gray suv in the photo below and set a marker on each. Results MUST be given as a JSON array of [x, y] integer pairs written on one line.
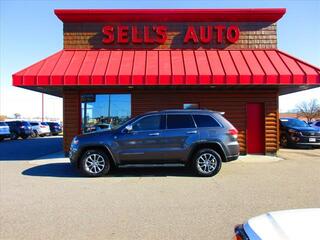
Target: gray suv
[[200, 139]]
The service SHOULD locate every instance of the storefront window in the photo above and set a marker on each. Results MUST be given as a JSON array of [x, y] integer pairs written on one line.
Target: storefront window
[[104, 111]]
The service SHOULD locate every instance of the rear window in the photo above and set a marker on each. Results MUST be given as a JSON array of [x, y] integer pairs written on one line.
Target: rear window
[[44, 123], [175, 121], [205, 121], [34, 124], [3, 124]]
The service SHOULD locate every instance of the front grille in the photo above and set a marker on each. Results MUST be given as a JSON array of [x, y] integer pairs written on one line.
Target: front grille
[[310, 134]]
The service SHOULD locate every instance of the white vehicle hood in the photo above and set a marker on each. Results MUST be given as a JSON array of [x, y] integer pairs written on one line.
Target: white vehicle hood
[[288, 224]]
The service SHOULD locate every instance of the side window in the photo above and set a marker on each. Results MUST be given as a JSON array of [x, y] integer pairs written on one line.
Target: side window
[[175, 121], [147, 123], [205, 121], [318, 124]]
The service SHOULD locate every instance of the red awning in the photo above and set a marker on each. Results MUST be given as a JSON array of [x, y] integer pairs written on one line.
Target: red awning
[[168, 67]]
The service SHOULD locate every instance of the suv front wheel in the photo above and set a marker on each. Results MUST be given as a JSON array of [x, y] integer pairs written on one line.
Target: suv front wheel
[[94, 163], [206, 162]]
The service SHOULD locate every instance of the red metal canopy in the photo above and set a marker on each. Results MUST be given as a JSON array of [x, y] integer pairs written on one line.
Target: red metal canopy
[[168, 67], [170, 15]]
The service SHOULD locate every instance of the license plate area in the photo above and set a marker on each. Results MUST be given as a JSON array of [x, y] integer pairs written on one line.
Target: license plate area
[[312, 139]]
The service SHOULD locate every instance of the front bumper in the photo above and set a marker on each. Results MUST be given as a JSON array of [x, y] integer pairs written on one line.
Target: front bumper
[[5, 135], [305, 140], [74, 155]]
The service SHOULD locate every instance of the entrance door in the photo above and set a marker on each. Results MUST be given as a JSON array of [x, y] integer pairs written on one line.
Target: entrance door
[[255, 128]]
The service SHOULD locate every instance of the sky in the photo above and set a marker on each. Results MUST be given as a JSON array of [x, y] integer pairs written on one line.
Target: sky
[[29, 32]]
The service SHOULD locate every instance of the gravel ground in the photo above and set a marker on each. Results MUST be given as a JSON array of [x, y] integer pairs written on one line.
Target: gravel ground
[[47, 199]]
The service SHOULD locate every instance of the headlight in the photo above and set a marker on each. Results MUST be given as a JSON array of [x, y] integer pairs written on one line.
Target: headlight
[[292, 131], [75, 141]]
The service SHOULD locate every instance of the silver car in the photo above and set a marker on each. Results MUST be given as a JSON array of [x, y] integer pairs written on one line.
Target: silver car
[[40, 129], [4, 131]]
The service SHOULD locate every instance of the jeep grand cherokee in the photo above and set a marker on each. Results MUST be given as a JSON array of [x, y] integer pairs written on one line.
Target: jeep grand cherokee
[[201, 139]]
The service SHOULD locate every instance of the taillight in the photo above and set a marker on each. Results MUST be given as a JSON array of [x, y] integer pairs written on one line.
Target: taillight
[[237, 237], [43, 126], [233, 132]]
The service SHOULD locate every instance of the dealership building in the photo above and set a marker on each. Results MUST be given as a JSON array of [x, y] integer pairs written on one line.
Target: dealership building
[[116, 64]]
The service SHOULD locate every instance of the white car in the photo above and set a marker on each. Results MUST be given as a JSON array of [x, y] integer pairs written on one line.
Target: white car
[[296, 224], [315, 124], [40, 129], [4, 131]]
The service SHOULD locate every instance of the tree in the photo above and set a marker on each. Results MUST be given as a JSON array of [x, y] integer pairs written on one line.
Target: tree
[[309, 110]]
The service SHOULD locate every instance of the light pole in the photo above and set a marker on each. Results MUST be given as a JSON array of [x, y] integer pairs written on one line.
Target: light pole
[[42, 107]]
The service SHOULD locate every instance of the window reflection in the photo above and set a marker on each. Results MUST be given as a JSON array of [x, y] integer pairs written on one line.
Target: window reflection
[[104, 111]]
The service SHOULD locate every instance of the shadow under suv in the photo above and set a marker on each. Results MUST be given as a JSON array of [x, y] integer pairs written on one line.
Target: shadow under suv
[[201, 139]]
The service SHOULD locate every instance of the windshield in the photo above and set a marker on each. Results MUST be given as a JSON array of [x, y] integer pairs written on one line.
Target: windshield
[[27, 124], [293, 123]]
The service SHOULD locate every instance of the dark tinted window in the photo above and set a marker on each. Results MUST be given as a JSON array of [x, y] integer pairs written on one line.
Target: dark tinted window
[[27, 124], [179, 121], [3, 124], [34, 124], [318, 124], [44, 123], [205, 121], [148, 123]]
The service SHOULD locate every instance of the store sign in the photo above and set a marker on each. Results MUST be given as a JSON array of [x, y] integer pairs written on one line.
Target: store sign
[[158, 34]]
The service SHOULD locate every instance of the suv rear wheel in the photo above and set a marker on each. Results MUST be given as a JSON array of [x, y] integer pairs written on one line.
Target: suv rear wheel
[[206, 162], [94, 163]]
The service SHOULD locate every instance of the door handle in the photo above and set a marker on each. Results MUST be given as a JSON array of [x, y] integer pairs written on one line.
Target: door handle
[[192, 132], [154, 134]]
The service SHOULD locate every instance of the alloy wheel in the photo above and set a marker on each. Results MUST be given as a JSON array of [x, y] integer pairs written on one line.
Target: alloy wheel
[[206, 163], [94, 163]]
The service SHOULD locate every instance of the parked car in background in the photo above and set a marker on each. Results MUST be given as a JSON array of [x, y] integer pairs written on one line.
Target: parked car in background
[[281, 225], [40, 129], [19, 128], [55, 128], [201, 139], [315, 124], [4, 131], [294, 132], [98, 127]]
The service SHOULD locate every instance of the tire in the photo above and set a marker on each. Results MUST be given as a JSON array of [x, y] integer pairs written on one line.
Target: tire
[[284, 141], [14, 136], [1, 139], [206, 163], [34, 134], [97, 157], [55, 134], [41, 135], [25, 136]]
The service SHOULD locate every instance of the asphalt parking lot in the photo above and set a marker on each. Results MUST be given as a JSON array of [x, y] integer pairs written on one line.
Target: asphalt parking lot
[[30, 148], [44, 198]]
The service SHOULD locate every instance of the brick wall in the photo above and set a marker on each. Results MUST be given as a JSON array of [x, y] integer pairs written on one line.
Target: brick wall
[[71, 117], [252, 35], [232, 102]]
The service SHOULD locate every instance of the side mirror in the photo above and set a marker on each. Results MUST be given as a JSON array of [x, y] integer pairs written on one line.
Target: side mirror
[[129, 128]]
